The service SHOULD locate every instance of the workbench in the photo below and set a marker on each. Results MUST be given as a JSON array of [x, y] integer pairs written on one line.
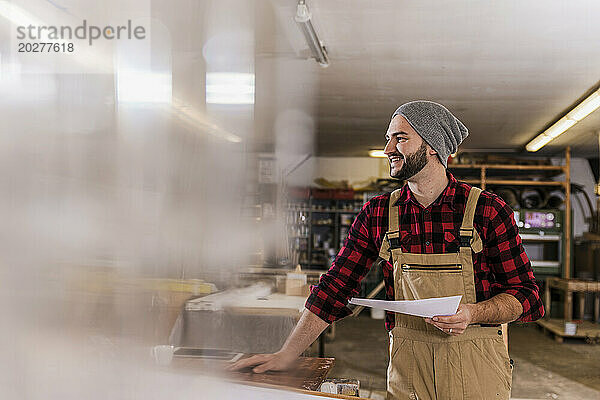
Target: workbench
[[307, 375], [301, 382], [259, 324], [273, 304], [589, 331], [569, 287]]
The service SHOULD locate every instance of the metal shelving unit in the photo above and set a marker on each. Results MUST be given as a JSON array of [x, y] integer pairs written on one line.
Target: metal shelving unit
[[484, 181], [317, 238]]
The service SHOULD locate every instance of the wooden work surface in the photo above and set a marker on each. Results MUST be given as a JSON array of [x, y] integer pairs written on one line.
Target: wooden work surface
[[573, 285], [308, 374], [273, 304], [585, 330], [570, 286], [281, 271]]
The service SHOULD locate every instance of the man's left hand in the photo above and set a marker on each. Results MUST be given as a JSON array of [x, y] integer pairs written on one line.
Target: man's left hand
[[455, 324]]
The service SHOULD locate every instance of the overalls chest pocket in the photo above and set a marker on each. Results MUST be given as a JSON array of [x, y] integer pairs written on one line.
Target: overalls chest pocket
[[451, 241], [407, 240], [424, 277]]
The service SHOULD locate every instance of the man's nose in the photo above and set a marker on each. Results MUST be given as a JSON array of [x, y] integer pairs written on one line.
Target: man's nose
[[389, 148]]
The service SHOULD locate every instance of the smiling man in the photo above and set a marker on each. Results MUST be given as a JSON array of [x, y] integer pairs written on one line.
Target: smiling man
[[433, 237]]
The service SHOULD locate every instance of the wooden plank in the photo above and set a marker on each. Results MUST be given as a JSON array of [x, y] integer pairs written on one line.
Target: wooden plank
[[580, 305], [281, 312], [558, 338], [592, 237], [308, 374], [273, 304], [551, 281], [280, 271], [568, 306], [567, 227], [585, 330], [547, 298], [505, 166], [560, 283], [573, 285], [308, 392], [570, 286], [483, 181], [588, 329], [523, 182], [578, 286], [597, 308]]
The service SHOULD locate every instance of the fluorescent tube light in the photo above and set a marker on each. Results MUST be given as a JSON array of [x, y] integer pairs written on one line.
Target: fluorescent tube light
[[585, 108], [559, 127], [316, 46], [539, 142], [229, 88], [377, 154], [579, 112]]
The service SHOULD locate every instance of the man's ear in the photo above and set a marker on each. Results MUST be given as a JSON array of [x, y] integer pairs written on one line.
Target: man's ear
[[432, 151]]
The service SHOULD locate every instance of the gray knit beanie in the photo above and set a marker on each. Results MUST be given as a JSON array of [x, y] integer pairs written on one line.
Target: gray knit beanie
[[436, 125]]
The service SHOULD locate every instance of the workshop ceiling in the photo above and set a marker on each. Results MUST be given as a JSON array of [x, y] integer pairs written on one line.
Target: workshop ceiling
[[506, 69]]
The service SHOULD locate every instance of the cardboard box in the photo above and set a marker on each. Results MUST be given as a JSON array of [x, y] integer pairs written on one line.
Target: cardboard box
[[295, 284]]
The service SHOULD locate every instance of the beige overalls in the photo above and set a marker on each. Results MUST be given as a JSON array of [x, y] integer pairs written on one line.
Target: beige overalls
[[426, 363]]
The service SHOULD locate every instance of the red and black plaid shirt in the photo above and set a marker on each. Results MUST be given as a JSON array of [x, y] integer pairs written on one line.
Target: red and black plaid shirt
[[502, 266]]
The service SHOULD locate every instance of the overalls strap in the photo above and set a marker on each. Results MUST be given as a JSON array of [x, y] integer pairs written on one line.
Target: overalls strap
[[466, 229], [392, 236]]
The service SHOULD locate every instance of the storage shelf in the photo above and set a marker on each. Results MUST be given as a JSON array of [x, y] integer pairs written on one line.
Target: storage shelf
[[509, 182], [541, 238], [526, 183], [545, 264], [470, 172], [282, 271], [315, 210], [510, 167], [334, 212]]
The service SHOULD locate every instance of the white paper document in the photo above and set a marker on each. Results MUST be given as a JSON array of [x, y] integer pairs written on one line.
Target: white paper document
[[437, 306]]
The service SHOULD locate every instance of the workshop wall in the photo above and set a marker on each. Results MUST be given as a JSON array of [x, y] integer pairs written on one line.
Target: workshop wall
[[358, 169]]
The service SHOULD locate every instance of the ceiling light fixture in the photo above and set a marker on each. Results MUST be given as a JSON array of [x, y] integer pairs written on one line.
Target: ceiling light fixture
[[579, 112], [316, 46], [377, 154], [231, 88]]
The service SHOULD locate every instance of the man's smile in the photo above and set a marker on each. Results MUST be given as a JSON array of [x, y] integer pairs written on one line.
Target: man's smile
[[396, 159]]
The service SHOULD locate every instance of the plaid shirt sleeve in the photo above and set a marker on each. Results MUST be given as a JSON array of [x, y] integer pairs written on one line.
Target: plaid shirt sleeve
[[507, 260], [328, 300]]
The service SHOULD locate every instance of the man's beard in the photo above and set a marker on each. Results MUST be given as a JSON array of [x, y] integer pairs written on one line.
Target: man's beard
[[412, 165]]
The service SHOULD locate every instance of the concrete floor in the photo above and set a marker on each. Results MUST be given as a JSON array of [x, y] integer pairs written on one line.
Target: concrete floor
[[543, 369]]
